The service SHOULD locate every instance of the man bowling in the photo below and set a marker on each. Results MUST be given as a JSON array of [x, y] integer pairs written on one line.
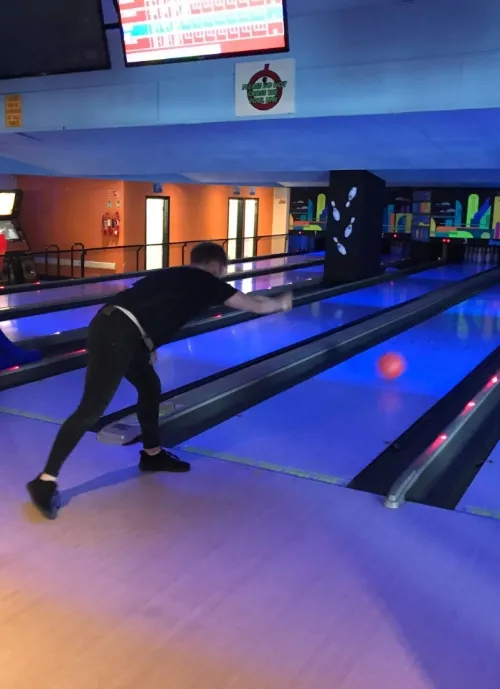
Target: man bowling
[[122, 340]]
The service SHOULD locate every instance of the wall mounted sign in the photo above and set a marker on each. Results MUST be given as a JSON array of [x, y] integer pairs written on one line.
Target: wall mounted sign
[[265, 88], [13, 108]]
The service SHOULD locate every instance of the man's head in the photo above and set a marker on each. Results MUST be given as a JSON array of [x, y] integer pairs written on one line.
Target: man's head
[[211, 257]]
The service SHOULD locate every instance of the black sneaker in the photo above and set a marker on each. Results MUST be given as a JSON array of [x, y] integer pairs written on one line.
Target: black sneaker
[[45, 496], [162, 461]]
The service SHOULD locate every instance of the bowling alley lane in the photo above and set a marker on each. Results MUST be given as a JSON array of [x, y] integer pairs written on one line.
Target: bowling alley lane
[[191, 359], [108, 287], [46, 324], [337, 422]]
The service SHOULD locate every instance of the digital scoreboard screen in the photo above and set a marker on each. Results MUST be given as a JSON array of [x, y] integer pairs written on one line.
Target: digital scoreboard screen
[[172, 30]]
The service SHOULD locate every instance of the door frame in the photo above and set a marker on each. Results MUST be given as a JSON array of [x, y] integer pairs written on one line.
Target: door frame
[[166, 228], [240, 241]]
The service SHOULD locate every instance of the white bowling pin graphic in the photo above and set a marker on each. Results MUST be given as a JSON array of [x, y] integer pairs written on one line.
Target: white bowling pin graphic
[[351, 196], [348, 229], [335, 212], [340, 247]]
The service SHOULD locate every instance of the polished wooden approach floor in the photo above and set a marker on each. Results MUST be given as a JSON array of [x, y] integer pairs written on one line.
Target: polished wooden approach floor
[[235, 578]]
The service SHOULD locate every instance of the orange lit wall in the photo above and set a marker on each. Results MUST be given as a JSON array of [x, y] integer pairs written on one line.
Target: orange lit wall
[[62, 211], [59, 210], [197, 212]]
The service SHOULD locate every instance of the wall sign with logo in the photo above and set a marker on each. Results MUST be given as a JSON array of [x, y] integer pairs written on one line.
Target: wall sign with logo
[[265, 88]]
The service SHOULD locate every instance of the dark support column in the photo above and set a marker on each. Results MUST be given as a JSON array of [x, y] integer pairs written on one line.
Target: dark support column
[[354, 229]]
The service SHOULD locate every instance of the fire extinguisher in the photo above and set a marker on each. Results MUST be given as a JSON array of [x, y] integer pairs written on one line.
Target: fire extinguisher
[[115, 225], [106, 224]]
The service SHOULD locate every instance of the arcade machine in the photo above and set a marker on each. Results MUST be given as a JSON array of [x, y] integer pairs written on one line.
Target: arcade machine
[[308, 219], [15, 267], [18, 267]]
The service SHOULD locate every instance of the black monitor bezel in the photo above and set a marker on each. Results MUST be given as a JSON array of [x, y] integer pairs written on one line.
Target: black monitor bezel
[[83, 70], [203, 58]]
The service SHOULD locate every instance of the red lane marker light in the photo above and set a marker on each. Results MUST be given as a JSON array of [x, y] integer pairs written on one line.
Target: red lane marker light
[[491, 382], [470, 405], [14, 368], [217, 315], [80, 351], [439, 441]]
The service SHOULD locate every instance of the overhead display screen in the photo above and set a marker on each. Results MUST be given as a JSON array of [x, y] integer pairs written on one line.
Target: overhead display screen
[[7, 199], [172, 30], [39, 37]]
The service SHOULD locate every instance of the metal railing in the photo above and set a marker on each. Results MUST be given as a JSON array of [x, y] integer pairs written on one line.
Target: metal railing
[[80, 262]]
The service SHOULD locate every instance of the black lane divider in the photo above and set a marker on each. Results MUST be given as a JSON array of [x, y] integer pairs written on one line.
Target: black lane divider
[[68, 282], [70, 361], [206, 404], [380, 475], [64, 342], [10, 314], [444, 484]]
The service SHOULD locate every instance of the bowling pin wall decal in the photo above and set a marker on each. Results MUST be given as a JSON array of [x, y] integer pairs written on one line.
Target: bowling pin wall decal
[[336, 216], [335, 212], [351, 196], [340, 247], [348, 229]]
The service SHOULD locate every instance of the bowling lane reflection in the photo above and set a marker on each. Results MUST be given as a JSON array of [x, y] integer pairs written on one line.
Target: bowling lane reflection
[[186, 361], [58, 322], [452, 273], [265, 263], [109, 287], [339, 421]]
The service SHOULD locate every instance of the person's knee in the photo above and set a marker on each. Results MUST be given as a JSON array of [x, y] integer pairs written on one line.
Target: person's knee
[[87, 416], [155, 388]]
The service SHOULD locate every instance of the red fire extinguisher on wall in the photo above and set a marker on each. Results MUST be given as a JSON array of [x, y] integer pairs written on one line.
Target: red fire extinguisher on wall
[[115, 225], [106, 224]]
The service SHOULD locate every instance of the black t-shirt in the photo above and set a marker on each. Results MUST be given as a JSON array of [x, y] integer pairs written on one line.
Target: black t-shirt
[[165, 301]]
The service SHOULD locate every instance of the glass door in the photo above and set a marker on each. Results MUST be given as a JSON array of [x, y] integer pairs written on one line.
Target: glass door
[[243, 216], [157, 231]]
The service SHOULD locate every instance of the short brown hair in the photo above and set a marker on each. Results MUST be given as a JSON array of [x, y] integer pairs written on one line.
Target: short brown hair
[[208, 252]]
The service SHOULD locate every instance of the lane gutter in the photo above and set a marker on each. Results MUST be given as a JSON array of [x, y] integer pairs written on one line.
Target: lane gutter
[[63, 363], [9, 314], [441, 474], [384, 470], [209, 403]]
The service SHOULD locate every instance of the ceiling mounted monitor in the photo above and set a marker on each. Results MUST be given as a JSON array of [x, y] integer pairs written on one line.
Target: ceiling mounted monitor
[[158, 31], [39, 37]]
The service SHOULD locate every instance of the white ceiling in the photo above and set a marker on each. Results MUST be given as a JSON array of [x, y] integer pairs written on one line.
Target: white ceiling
[[461, 147]]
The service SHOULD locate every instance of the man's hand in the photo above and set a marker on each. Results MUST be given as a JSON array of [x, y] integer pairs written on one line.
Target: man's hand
[[260, 305]]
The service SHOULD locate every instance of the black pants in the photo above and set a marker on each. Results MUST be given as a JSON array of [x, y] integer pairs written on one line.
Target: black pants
[[115, 351]]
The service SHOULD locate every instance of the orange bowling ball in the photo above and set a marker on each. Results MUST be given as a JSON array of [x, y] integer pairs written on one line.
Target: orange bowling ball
[[391, 365]]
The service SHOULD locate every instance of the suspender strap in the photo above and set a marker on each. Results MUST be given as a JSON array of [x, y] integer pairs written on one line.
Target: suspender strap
[[147, 340]]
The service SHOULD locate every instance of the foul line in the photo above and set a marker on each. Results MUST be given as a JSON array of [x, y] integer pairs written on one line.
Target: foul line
[[480, 512], [276, 468], [30, 415]]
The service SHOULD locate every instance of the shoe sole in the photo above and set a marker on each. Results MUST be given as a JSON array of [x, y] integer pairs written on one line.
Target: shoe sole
[[164, 471]]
